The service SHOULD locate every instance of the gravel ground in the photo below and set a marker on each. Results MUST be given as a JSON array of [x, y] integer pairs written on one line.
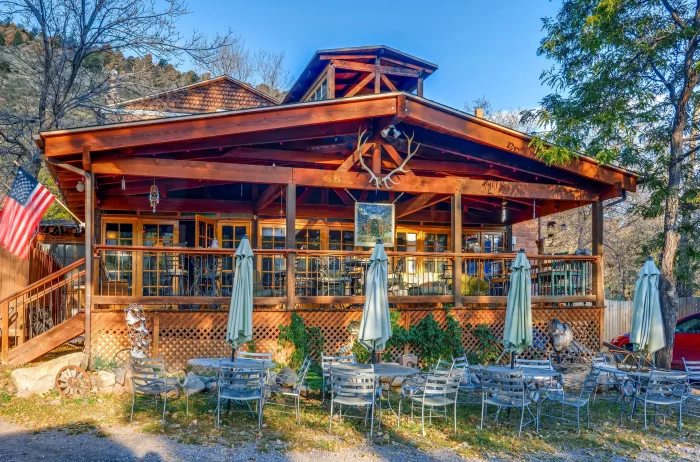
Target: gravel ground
[[124, 443]]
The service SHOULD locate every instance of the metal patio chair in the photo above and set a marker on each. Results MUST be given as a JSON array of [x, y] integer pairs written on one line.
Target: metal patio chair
[[664, 388], [353, 387], [439, 390], [149, 377], [413, 385], [506, 390], [576, 401], [693, 370], [469, 384], [279, 388], [544, 364], [326, 362], [255, 356], [241, 385]]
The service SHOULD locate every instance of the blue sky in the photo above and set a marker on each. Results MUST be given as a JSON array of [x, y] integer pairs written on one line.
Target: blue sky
[[482, 48]]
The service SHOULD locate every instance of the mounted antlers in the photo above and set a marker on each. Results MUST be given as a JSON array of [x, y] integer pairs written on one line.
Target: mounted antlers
[[387, 179], [378, 182]]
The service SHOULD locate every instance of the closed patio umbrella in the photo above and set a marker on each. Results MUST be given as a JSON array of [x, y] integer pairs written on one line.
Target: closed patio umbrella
[[375, 326], [240, 315], [517, 333], [647, 323]]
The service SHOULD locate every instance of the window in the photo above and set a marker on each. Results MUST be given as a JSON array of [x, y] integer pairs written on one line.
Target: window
[[435, 242], [689, 326], [118, 265], [407, 242], [231, 235], [273, 267], [340, 239], [154, 269], [307, 267], [321, 91]]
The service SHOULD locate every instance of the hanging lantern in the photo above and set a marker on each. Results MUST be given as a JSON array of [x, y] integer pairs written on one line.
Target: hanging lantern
[[154, 196], [503, 211], [123, 183]]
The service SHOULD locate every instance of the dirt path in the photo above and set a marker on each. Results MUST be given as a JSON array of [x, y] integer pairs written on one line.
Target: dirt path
[[123, 443]]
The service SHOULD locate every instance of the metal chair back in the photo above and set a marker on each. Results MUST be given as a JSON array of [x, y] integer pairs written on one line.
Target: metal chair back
[[240, 383], [443, 383], [303, 370], [535, 363], [443, 365], [669, 386], [255, 356], [503, 384], [693, 370], [461, 363], [352, 382], [590, 384], [148, 374], [326, 362]]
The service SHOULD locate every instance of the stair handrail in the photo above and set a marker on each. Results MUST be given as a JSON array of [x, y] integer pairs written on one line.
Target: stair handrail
[[56, 274]]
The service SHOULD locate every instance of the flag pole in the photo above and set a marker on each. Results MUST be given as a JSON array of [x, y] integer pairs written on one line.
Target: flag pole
[[56, 201]]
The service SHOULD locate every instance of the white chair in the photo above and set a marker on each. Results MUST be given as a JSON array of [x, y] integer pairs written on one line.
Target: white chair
[[241, 385], [353, 387], [439, 391]]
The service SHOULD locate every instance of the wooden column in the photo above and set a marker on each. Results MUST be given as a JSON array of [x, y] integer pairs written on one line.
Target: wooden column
[[331, 81], [5, 326], [377, 149], [377, 78], [457, 247], [254, 220], [597, 250], [419, 86], [89, 247], [291, 243]]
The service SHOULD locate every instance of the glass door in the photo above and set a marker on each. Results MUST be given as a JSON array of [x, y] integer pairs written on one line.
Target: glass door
[[273, 268], [118, 265], [155, 274], [205, 231], [230, 235], [307, 267]]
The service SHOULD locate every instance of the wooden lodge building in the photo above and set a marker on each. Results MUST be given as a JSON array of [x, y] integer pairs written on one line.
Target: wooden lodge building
[[353, 135]]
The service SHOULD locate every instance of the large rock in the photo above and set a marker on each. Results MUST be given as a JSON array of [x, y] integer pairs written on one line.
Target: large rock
[[103, 382], [42, 378], [194, 384]]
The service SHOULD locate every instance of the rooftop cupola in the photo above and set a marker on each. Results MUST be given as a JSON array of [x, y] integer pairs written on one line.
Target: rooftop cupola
[[346, 72]]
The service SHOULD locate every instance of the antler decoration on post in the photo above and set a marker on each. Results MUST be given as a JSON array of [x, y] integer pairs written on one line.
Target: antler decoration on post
[[378, 182], [360, 147], [387, 179]]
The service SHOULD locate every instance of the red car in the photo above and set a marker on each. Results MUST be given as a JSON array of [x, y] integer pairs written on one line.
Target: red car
[[686, 344]]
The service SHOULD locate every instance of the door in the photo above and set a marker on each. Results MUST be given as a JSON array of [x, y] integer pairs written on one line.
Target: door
[[230, 234], [156, 275], [205, 231], [687, 341]]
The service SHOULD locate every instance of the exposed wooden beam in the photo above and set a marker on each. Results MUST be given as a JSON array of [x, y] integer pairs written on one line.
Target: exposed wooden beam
[[87, 161], [360, 67], [175, 205], [209, 130], [354, 157], [417, 203], [359, 85], [391, 150], [165, 168], [388, 82], [344, 196], [267, 197], [446, 122]]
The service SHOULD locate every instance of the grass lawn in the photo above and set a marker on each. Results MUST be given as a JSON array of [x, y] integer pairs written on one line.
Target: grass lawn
[[98, 413]]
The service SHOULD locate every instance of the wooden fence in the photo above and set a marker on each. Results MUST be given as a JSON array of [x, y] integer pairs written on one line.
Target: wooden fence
[[618, 314]]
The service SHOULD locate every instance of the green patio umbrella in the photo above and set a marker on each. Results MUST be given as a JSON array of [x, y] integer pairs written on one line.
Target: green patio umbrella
[[517, 333], [375, 326], [647, 323], [240, 315]]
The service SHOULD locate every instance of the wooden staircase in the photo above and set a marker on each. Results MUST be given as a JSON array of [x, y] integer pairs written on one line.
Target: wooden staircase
[[43, 316], [43, 343]]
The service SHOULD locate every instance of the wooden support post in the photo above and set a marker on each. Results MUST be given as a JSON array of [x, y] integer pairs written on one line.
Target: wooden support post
[[377, 149], [156, 334], [254, 221], [89, 248], [407, 326], [457, 247], [5, 327], [331, 81], [291, 244], [19, 323], [419, 86], [597, 250], [377, 78]]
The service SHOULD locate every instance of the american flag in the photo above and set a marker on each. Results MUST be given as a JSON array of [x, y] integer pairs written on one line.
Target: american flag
[[25, 205]]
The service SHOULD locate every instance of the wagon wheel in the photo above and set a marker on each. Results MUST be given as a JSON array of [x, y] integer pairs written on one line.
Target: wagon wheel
[[72, 381]]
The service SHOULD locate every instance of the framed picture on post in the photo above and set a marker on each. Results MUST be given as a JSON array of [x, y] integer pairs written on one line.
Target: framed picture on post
[[373, 222]]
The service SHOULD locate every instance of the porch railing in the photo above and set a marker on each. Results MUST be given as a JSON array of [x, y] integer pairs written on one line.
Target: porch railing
[[195, 278], [42, 305]]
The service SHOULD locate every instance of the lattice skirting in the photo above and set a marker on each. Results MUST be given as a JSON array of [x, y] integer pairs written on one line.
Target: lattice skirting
[[181, 335]]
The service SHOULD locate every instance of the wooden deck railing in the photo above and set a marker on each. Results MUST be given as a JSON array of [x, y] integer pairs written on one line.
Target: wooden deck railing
[[42, 305], [193, 278]]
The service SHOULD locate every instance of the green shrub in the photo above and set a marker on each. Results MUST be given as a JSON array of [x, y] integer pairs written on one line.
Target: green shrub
[[305, 341], [487, 345], [102, 364], [17, 40]]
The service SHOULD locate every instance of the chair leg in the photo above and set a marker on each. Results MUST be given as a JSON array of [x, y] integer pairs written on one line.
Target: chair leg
[[522, 416], [422, 418], [578, 419], [330, 423], [483, 409], [371, 425], [218, 412], [260, 413], [680, 417], [645, 414], [133, 401], [398, 419], [455, 416], [588, 414], [165, 402]]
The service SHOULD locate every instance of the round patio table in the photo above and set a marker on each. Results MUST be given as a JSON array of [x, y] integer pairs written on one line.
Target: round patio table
[[214, 363]]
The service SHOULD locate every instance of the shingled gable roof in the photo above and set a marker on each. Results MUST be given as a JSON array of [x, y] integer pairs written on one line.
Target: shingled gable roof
[[218, 93]]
